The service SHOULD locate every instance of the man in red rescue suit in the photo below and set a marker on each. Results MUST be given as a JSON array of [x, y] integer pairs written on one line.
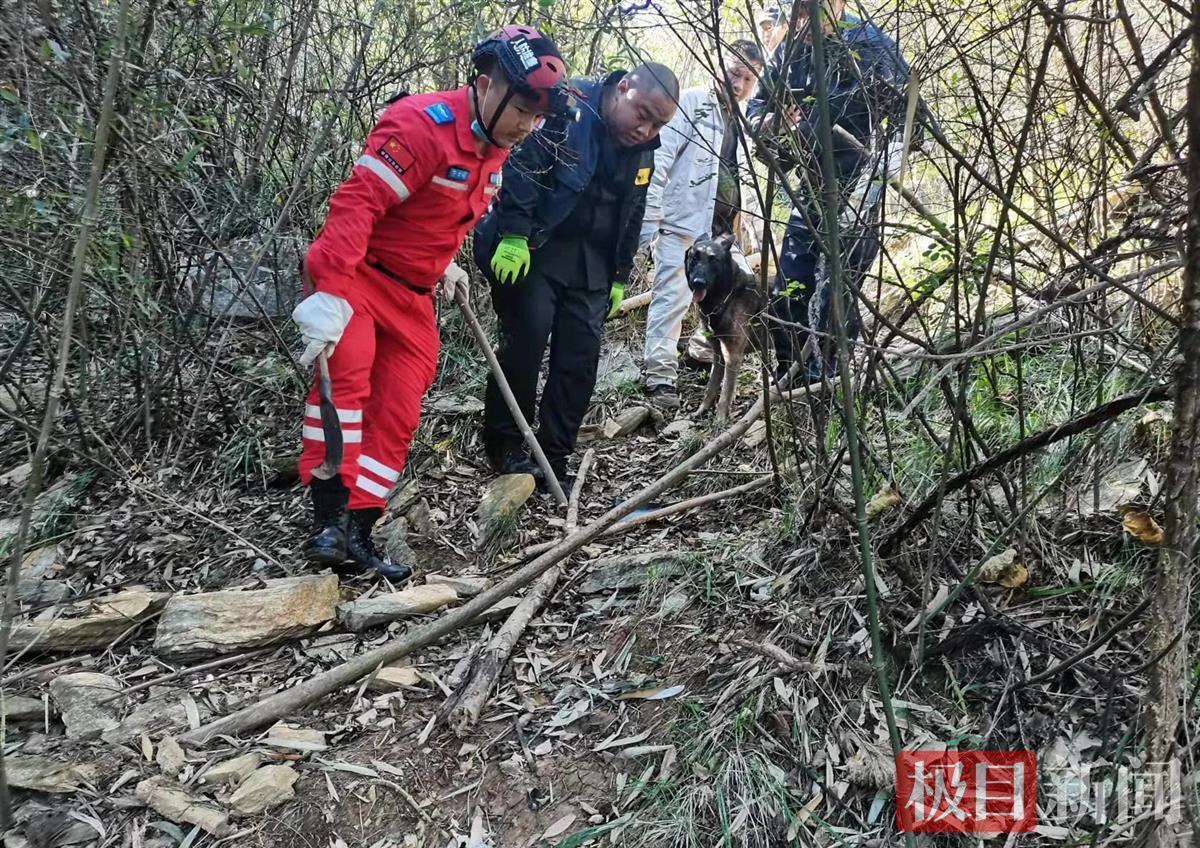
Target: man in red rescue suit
[[428, 171]]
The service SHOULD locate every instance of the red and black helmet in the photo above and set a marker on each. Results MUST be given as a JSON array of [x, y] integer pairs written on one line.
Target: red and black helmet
[[531, 63]]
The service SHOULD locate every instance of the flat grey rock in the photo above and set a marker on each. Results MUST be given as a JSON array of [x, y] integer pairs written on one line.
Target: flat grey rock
[[227, 622]]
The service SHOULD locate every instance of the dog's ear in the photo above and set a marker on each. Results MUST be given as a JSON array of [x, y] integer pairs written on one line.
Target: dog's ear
[[725, 240], [728, 266]]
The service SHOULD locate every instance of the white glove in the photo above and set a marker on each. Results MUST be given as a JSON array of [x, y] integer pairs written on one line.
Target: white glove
[[322, 318], [455, 280]]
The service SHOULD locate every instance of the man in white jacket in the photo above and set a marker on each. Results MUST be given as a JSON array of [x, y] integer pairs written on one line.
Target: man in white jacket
[[698, 188]]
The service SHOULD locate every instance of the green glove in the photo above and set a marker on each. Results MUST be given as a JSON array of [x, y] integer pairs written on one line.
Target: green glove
[[510, 262], [615, 295]]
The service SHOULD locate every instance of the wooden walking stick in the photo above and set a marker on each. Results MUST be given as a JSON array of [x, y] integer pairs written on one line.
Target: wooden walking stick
[[513, 407]]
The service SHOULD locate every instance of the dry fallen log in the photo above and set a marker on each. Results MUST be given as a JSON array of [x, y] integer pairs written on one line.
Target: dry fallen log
[[276, 706], [495, 656]]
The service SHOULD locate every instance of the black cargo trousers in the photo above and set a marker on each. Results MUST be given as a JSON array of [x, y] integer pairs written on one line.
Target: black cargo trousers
[[562, 302]]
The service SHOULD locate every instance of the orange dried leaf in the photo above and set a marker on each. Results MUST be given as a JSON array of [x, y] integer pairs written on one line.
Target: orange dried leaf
[[1142, 526]]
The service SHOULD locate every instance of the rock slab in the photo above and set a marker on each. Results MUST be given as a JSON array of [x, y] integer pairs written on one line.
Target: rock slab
[[19, 708], [466, 586], [500, 610], [629, 421], [395, 543], [629, 572], [289, 736], [382, 609], [227, 622], [267, 787], [393, 678], [87, 703], [158, 714], [170, 800], [502, 499], [43, 774], [232, 772], [36, 566], [170, 757], [89, 625]]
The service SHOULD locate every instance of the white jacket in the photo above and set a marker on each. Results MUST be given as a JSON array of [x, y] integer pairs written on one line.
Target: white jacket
[[683, 192]]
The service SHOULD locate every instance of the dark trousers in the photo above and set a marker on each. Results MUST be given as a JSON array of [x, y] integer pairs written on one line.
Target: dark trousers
[[540, 309], [803, 295]]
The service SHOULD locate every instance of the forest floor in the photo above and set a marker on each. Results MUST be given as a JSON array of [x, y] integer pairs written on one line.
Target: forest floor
[[697, 681]]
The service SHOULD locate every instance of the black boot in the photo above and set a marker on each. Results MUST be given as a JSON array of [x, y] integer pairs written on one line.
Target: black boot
[[558, 464], [364, 556], [506, 455], [516, 461], [327, 544]]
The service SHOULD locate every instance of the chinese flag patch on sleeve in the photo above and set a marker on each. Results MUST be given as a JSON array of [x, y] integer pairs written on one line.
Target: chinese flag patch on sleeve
[[396, 154]]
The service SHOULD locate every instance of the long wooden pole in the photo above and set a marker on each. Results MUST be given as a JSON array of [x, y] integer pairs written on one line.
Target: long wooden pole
[[509, 398]]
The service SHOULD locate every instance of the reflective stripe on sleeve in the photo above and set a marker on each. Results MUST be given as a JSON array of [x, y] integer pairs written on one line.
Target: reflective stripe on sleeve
[[385, 173]]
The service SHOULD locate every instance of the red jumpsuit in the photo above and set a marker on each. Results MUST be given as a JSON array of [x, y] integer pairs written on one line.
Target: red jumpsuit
[[393, 228]]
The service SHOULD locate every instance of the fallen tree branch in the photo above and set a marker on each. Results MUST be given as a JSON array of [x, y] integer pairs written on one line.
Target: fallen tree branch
[[636, 302], [691, 503], [662, 512], [495, 656], [274, 707], [1049, 436], [773, 652], [1088, 649]]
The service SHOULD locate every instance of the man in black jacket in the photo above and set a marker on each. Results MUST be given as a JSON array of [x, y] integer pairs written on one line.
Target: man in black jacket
[[866, 78], [558, 248]]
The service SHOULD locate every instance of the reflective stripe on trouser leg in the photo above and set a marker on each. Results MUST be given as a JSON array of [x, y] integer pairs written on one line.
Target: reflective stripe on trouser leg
[[374, 477], [404, 367], [669, 303], [350, 374]]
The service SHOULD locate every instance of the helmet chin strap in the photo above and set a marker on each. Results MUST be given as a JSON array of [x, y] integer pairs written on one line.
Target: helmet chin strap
[[481, 130]]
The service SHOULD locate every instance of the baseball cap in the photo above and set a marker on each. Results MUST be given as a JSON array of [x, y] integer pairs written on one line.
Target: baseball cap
[[773, 14]]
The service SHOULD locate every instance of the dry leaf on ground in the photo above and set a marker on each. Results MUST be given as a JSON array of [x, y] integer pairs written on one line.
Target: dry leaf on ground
[[1142, 526], [1003, 570], [885, 499]]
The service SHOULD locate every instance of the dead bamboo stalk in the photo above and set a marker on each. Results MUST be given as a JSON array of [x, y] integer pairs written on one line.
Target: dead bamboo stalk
[[274, 707], [664, 512], [495, 656], [585, 465], [691, 503]]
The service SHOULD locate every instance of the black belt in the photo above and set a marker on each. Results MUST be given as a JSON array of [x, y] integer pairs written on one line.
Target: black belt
[[391, 276]]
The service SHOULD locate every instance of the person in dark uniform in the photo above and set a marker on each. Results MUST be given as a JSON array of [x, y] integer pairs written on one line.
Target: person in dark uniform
[[866, 78], [557, 249]]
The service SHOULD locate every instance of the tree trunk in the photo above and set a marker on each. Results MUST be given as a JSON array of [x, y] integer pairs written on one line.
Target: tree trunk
[[1172, 580]]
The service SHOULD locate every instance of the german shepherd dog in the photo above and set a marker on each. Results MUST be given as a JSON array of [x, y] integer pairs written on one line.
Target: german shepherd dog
[[732, 306]]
